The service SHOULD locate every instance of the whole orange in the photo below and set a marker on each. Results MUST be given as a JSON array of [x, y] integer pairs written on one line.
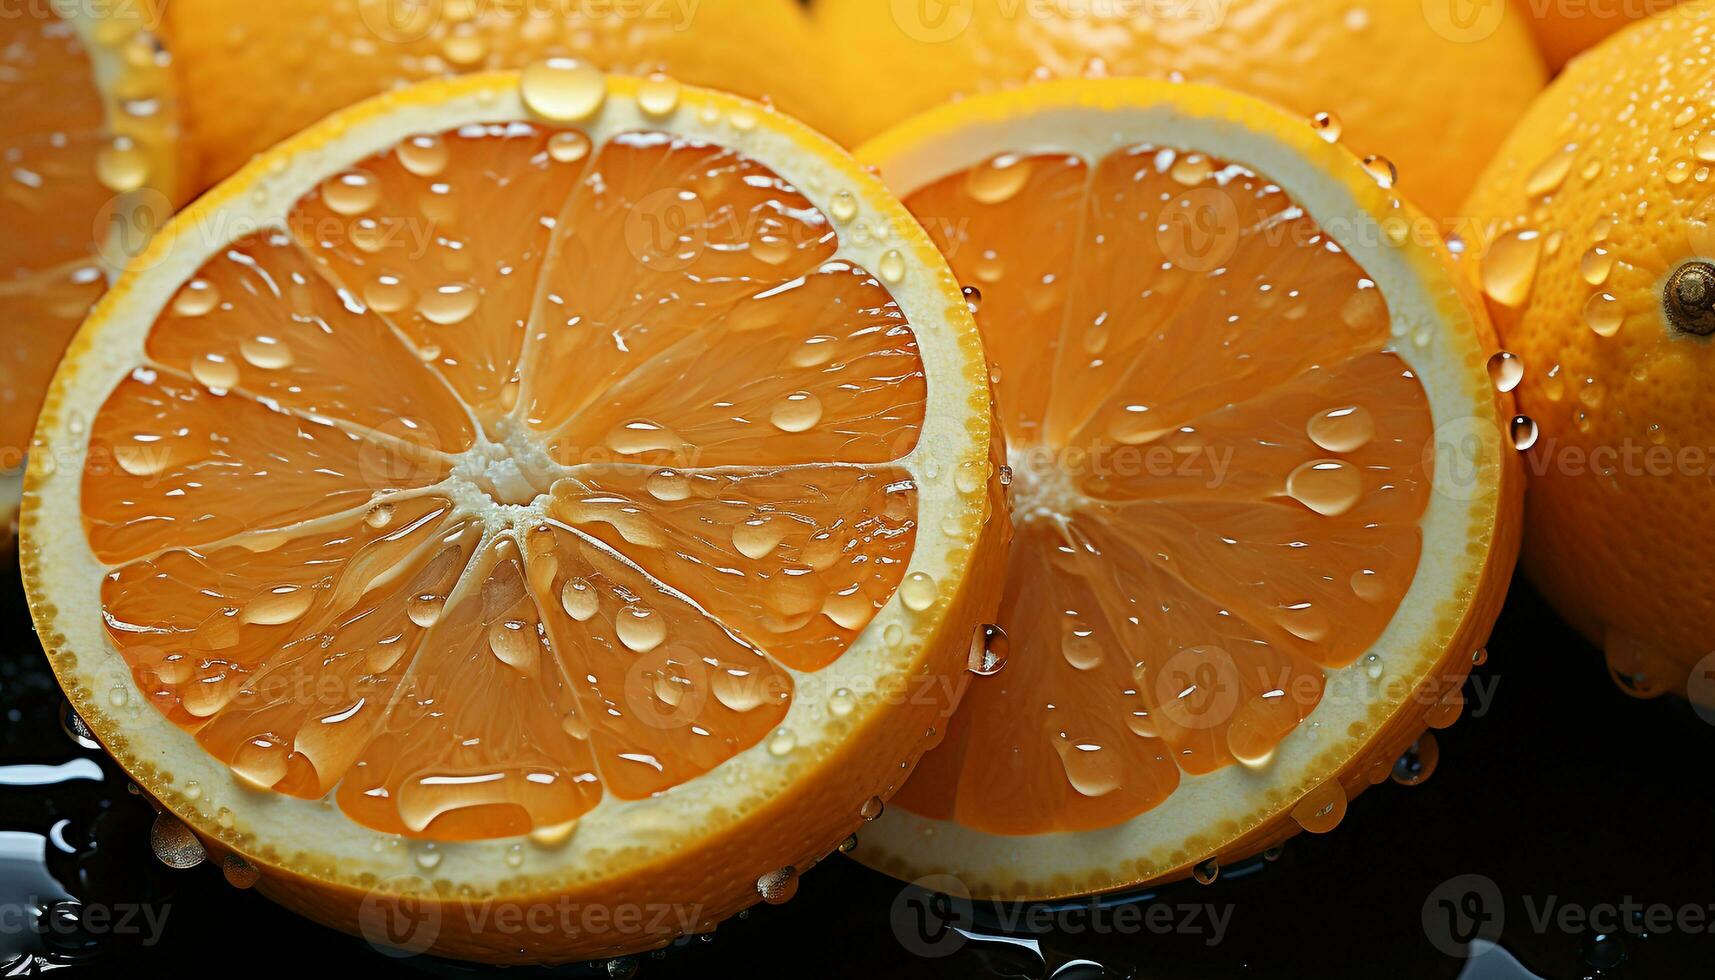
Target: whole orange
[[1598, 260], [255, 73], [1415, 83], [1564, 29]]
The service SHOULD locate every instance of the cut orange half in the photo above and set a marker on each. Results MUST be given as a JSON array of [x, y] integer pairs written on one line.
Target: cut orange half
[[88, 132], [1264, 495], [543, 490]]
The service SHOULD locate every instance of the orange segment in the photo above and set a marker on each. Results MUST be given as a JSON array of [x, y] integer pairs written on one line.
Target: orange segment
[[1019, 282], [262, 318], [484, 739], [668, 694], [445, 237], [169, 457], [793, 561], [283, 652], [646, 200]]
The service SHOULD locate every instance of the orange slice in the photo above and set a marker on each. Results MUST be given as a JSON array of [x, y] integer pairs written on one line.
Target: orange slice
[[88, 135], [1264, 496], [523, 489]]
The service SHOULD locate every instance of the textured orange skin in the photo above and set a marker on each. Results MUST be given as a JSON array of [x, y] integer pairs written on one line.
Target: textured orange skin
[[1626, 557], [1565, 30], [255, 73], [1434, 105]]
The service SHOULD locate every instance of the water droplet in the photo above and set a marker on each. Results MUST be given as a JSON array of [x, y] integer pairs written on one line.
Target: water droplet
[[1705, 147], [918, 591], [757, 537], [238, 872], [668, 485], [1206, 872], [1327, 125], [1342, 430], [1480, 657], [1382, 170], [841, 702], [1091, 768], [658, 95], [379, 516], [872, 809], [424, 155], [844, 206], [1509, 268], [1369, 586], [973, 298], [425, 609], [849, 844], [174, 844], [197, 298], [121, 165], [1191, 169], [640, 629], [267, 353], [352, 193], [563, 89], [778, 887], [1417, 763], [1524, 432], [998, 179], [892, 267], [1604, 314], [797, 412], [568, 147], [1596, 265], [279, 606], [1506, 371], [1078, 644], [1551, 173], [387, 294], [1322, 809], [1374, 668], [450, 304], [989, 650], [1329, 487], [215, 371]]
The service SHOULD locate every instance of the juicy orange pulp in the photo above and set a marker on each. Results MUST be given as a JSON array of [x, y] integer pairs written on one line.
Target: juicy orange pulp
[[1218, 475], [50, 203], [310, 498]]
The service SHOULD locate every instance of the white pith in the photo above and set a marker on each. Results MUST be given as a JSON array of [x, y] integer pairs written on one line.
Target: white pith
[[616, 835], [1206, 812]]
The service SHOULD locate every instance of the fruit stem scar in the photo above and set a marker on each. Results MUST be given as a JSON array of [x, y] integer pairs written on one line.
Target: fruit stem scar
[[1689, 298]]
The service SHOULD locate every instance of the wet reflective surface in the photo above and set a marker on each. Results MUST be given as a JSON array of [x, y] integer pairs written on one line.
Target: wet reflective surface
[[1559, 793]]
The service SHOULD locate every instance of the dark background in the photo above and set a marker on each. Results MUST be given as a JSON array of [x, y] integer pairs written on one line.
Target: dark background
[[1563, 790]]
